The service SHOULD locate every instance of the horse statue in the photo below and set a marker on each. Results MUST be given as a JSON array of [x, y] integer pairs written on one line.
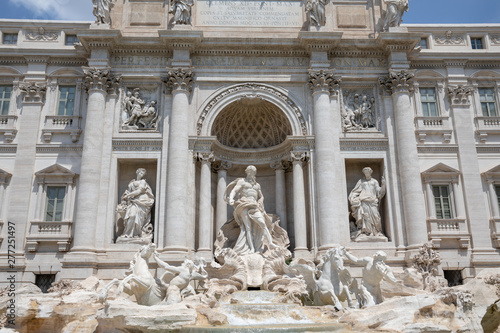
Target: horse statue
[[139, 281], [332, 268]]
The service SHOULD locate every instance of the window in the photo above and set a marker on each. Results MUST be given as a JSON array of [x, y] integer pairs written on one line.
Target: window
[[55, 203], [423, 43], [71, 39], [10, 38], [487, 99], [66, 102], [5, 93], [44, 281], [476, 43], [442, 201], [428, 99], [497, 189]]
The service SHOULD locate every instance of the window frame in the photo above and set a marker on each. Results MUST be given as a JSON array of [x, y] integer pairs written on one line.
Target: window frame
[[56, 209], [5, 36], [493, 95], [5, 100], [71, 36], [473, 45], [449, 197], [59, 100], [436, 104]]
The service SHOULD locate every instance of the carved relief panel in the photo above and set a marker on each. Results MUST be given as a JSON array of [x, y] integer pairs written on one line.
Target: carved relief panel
[[359, 110], [139, 109]]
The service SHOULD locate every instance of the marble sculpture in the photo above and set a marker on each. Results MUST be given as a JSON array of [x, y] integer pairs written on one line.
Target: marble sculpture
[[134, 211], [364, 199], [394, 13]]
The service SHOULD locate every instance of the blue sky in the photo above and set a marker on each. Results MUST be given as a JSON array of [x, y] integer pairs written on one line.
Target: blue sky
[[421, 11]]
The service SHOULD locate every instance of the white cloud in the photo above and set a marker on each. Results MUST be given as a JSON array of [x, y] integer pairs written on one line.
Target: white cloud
[[76, 10]]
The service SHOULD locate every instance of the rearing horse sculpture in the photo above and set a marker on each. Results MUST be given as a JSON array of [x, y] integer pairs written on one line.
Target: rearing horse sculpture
[[332, 267], [139, 281]]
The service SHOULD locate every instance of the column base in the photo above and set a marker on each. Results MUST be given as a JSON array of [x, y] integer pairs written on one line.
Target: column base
[[302, 252], [207, 254]]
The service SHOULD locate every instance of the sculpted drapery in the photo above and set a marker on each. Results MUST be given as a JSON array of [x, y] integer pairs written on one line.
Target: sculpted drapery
[[245, 195]]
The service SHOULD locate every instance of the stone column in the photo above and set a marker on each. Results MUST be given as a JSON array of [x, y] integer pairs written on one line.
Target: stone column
[[280, 167], [22, 178], [492, 194], [221, 168], [299, 202], [472, 183], [327, 134], [413, 202], [180, 82], [98, 82], [205, 205], [430, 201]]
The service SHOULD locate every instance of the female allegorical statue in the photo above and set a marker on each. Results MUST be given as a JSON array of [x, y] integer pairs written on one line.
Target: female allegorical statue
[[364, 200], [136, 206]]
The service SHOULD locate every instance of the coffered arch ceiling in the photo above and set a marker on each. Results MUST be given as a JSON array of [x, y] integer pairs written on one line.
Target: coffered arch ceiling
[[251, 123]]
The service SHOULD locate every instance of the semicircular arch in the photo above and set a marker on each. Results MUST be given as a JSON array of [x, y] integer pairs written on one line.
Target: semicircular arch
[[228, 95]]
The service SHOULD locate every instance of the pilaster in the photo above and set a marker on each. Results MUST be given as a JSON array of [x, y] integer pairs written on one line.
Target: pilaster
[[221, 167], [205, 230], [299, 203]]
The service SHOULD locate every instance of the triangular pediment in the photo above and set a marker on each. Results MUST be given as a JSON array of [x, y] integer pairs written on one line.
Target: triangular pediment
[[4, 176], [493, 173], [55, 170], [441, 168]]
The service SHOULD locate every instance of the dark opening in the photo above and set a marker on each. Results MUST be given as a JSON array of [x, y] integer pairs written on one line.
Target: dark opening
[[253, 288], [44, 281], [454, 277]]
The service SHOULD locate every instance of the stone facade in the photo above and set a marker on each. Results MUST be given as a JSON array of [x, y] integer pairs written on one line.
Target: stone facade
[[309, 103]]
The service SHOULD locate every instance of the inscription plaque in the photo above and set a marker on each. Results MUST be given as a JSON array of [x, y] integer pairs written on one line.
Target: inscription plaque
[[249, 13]]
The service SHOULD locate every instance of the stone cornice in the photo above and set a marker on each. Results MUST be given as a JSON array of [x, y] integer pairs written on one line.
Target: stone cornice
[[450, 149], [8, 149], [319, 41], [364, 144], [49, 149], [296, 53], [137, 145]]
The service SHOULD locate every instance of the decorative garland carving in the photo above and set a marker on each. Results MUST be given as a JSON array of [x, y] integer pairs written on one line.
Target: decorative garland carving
[[299, 156], [204, 156], [397, 81], [33, 92], [101, 79], [42, 35], [254, 88], [324, 81], [180, 79], [221, 165], [449, 39], [459, 95]]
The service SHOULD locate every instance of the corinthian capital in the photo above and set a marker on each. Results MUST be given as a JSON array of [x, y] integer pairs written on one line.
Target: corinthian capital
[[100, 79], [204, 156], [459, 95], [180, 79], [33, 92], [299, 156], [323, 81], [397, 81]]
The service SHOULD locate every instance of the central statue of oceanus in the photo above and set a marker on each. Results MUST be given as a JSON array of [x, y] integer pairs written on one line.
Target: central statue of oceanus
[[245, 195]]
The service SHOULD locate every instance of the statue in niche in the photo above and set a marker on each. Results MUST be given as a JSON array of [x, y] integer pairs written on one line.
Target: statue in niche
[[316, 11], [394, 13], [135, 211], [374, 271], [137, 114], [101, 11], [245, 195], [182, 11], [359, 112], [364, 200]]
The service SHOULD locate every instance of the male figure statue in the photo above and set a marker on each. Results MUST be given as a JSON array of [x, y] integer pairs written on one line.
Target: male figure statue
[[245, 195], [375, 270]]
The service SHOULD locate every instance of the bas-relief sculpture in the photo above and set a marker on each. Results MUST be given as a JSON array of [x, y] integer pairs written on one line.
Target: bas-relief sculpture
[[134, 211], [394, 13], [364, 199], [101, 11], [137, 114], [42, 36], [181, 9], [359, 111]]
